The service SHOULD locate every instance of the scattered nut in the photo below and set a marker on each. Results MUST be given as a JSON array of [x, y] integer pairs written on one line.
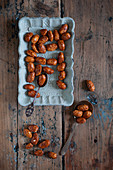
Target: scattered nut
[[29, 146], [44, 144], [35, 139], [38, 153], [90, 85], [27, 133], [33, 128], [52, 155]]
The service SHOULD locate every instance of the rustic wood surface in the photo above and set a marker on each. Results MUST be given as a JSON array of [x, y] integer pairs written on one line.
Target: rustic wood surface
[[92, 144]]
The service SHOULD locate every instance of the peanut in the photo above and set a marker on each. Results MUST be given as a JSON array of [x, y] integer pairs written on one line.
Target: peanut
[[77, 113], [52, 61], [38, 70], [60, 57], [48, 70], [83, 107], [61, 67], [31, 53], [41, 60], [63, 29], [29, 87], [32, 93], [35, 38], [51, 47], [44, 144], [31, 77], [90, 85], [61, 45], [61, 85], [27, 133], [28, 36]]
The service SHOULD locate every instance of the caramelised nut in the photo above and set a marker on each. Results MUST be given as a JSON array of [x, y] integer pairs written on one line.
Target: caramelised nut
[[41, 80], [27, 133], [28, 36], [35, 139], [29, 86], [32, 93], [62, 75], [31, 53], [35, 38], [34, 48], [52, 61], [77, 113], [33, 128], [90, 85], [44, 144], [50, 35], [38, 152], [43, 31], [41, 48], [51, 47], [87, 114], [43, 39], [61, 67], [60, 57], [61, 45], [83, 107], [52, 155], [41, 60], [63, 29], [31, 67], [48, 70], [31, 77], [56, 35], [38, 69], [66, 36], [80, 120], [29, 59], [29, 146], [61, 85]]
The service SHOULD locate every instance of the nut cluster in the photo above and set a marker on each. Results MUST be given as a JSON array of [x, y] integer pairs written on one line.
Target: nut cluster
[[34, 63], [31, 133], [82, 113]]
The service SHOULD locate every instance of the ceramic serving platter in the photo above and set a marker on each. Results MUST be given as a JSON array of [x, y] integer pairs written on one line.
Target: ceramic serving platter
[[50, 94]]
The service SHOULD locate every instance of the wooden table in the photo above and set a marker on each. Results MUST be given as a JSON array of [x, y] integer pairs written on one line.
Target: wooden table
[[92, 145]]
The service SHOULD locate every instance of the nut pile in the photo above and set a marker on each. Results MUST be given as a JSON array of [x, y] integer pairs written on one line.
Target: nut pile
[[31, 133], [82, 113], [38, 46]]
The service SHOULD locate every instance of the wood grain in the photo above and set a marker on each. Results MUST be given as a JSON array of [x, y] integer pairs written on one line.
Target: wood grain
[[92, 143], [8, 87]]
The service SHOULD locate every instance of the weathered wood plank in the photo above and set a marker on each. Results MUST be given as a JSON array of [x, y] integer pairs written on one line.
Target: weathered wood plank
[[8, 86], [92, 143], [48, 118]]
